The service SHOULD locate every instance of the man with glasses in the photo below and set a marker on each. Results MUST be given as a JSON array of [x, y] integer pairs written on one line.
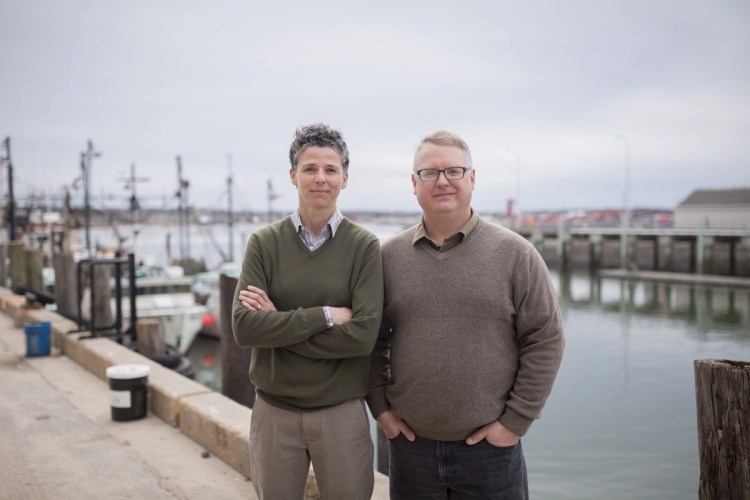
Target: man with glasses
[[309, 302], [470, 343]]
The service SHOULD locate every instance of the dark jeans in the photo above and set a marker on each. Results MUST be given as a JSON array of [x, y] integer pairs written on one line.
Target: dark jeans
[[427, 469]]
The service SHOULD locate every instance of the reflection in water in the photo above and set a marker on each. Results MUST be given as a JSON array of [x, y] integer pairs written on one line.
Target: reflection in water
[[706, 307], [205, 356], [621, 420]]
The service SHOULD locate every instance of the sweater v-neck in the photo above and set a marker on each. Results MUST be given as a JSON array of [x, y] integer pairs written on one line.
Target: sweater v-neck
[[437, 254], [312, 254]]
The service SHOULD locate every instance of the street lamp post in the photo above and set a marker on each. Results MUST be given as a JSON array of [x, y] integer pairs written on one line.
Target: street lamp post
[[625, 219]]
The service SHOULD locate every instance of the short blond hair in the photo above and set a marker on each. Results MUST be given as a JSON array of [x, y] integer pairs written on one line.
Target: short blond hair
[[444, 138]]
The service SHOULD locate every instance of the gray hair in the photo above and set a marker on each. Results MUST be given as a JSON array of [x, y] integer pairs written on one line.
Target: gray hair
[[444, 138], [321, 136]]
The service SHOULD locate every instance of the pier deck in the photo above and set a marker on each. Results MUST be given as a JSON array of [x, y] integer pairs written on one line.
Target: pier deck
[[57, 439]]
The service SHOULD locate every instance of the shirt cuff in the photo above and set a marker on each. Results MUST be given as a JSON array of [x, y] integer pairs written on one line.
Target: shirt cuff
[[329, 316]]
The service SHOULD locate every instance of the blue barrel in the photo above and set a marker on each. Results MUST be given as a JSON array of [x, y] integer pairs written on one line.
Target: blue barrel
[[37, 338]]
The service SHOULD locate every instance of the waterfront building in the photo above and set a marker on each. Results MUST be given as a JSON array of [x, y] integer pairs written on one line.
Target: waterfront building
[[714, 209]]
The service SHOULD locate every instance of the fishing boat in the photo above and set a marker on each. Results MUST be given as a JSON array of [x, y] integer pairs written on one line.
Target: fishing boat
[[171, 302], [166, 297], [205, 289]]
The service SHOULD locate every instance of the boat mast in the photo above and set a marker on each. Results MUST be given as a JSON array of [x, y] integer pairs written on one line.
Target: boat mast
[[182, 214], [134, 205], [86, 159], [230, 217]]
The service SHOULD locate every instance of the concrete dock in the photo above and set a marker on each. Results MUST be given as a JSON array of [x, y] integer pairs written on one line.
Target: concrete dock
[[58, 440]]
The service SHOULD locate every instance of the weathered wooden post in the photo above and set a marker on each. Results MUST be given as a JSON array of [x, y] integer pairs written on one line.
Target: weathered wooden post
[[722, 393], [17, 259], [743, 257], [699, 247], [560, 242], [150, 335], [235, 360], [595, 253], [733, 243], [3, 268], [33, 259], [66, 284], [695, 258], [666, 244], [101, 292]]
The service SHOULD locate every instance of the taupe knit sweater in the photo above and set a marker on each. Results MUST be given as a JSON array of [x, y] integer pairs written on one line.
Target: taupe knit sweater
[[469, 335]]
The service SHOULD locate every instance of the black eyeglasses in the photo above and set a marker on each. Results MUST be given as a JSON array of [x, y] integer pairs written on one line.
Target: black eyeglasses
[[450, 173]]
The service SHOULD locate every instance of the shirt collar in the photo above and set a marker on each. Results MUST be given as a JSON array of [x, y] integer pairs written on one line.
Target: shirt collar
[[334, 222], [466, 229]]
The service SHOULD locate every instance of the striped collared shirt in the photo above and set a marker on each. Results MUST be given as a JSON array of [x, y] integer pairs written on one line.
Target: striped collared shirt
[[315, 241]]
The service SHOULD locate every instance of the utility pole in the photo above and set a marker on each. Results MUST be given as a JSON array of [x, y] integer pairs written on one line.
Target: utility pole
[[625, 219], [130, 185], [230, 216], [86, 159], [11, 198], [182, 214]]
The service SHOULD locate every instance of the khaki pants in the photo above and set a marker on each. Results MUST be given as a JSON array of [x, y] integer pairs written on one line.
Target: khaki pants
[[336, 440]]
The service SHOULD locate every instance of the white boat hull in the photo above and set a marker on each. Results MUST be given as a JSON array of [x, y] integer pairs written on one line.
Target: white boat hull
[[181, 318]]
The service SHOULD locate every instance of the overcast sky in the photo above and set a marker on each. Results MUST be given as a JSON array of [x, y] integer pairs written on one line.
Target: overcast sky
[[568, 93]]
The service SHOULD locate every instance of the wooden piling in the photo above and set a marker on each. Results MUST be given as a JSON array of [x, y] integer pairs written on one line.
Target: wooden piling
[[669, 254], [101, 291], [18, 276], [34, 264], [722, 392], [235, 360], [595, 253], [3, 268], [66, 284], [560, 244], [150, 335]]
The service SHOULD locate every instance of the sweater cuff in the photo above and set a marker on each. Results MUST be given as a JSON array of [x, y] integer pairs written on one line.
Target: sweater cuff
[[515, 422], [377, 402]]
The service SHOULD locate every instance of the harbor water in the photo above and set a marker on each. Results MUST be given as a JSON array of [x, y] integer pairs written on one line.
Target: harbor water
[[621, 420]]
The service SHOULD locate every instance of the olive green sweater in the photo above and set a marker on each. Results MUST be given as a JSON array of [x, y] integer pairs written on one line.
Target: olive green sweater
[[470, 335], [297, 362]]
